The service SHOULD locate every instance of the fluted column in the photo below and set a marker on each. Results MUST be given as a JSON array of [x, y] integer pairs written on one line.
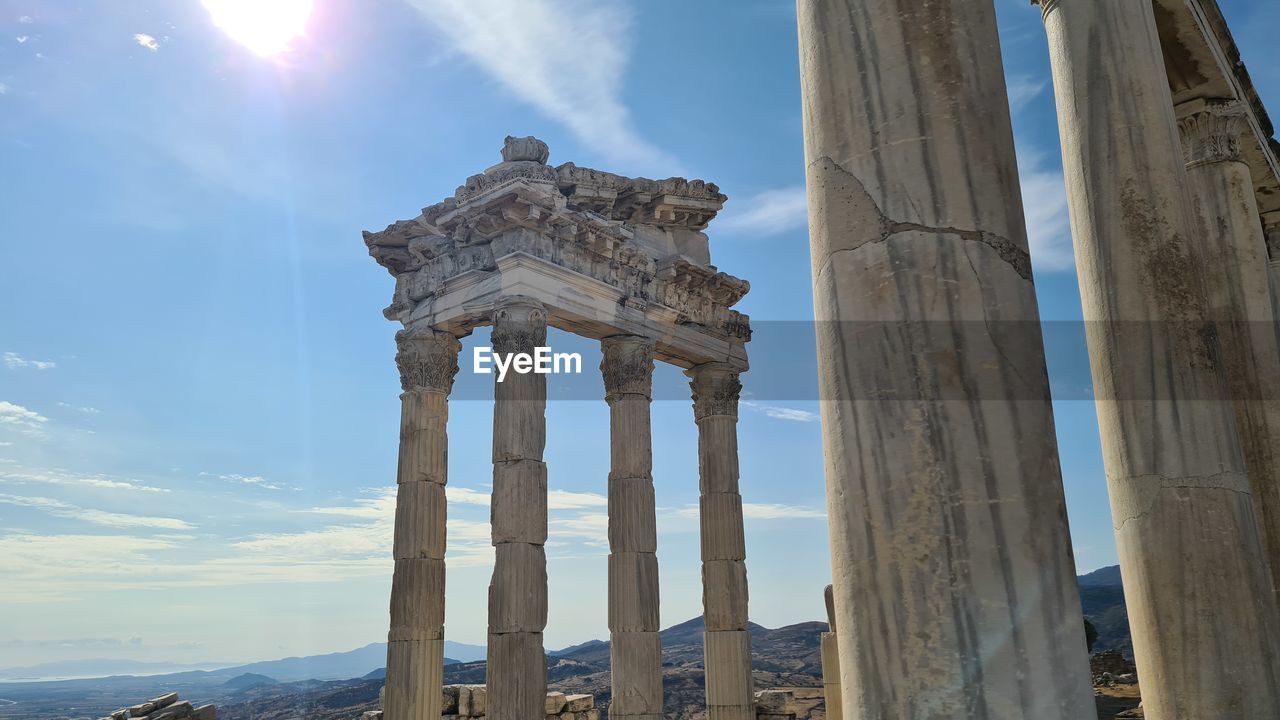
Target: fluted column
[[1239, 290], [830, 650], [951, 560], [1271, 230], [428, 362], [636, 649], [517, 671], [1195, 577], [727, 644]]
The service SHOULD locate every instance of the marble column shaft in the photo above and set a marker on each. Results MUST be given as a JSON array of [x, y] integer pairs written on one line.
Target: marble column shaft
[[516, 676], [636, 649], [727, 643], [830, 650], [953, 575], [428, 362], [1196, 585], [1234, 252]]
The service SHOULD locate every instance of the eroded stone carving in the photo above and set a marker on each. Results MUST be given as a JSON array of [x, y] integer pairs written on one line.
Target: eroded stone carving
[[716, 388], [427, 360], [1213, 133]]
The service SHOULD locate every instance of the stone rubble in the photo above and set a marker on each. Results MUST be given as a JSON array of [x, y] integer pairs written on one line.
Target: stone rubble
[[165, 707], [461, 702]]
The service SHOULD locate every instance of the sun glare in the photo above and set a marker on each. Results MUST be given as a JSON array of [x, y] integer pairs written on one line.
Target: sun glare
[[265, 27]]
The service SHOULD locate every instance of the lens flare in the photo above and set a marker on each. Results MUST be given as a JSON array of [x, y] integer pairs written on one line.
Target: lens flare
[[265, 27]]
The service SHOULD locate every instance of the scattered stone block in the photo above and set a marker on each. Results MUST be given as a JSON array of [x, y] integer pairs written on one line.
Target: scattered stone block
[[775, 702], [471, 700], [449, 705], [580, 703], [592, 714], [205, 712], [555, 703], [165, 700]]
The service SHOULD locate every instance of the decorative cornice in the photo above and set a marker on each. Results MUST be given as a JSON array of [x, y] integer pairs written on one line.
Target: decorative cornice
[[428, 360], [1212, 134], [715, 390], [627, 366], [519, 325]]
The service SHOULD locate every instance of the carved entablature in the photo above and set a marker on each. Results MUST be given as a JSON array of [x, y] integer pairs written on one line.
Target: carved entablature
[[641, 237]]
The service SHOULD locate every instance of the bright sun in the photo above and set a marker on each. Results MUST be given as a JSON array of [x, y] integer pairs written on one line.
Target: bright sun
[[265, 27]]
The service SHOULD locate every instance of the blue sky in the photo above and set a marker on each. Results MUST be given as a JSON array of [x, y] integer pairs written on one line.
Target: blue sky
[[198, 399]]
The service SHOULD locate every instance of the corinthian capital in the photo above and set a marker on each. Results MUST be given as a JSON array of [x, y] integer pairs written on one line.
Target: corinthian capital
[[627, 366], [428, 359], [1212, 133], [715, 390], [519, 325]]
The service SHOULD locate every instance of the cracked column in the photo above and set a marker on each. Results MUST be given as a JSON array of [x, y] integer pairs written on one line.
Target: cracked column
[[1195, 578], [954, 582], [1234, 256], [727, 643], [516, 676], [636, 650], [428, 362]]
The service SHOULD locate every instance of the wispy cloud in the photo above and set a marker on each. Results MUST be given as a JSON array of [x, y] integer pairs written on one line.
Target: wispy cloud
[[58, 508], [761, 511], [77, 408], [146, 41], [14, 361], [778, 412], [255, 480], [567, 58], [20, 418], [1044, 198], [765, 213], [1023, 89], [55, 476]]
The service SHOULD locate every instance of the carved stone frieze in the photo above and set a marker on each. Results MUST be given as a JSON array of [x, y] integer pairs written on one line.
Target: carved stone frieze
[[591, 222], [428, 360], [627, 366]]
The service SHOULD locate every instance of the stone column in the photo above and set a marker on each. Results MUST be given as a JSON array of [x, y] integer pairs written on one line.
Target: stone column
[[1271, 229], [953, 575], [1234, 253], [636, 649], [428, 362], [831, 662], [1195, 577], [516, 678], [727, 644]]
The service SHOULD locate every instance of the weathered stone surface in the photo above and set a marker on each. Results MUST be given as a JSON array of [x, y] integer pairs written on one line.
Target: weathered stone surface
[[417, 585], [579, 703], [632, 512], [518, 513], [423, 439], [636, 661], [472, 700], [724, 594], [517, 679], [831, 676], [731, 712], [419, 667], [205, 712], [723, 537], [1200, 602], [555, 703], [517, 593], [777, 702], [950, 545], [633, 596], [1234, 263], [421, 510], [728, 663], [449, 700]]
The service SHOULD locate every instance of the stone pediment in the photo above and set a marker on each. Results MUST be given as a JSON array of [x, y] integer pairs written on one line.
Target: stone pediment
[[641, 237]]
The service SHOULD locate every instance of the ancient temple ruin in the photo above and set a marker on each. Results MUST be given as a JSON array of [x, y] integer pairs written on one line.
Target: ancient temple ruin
[[523, 246]]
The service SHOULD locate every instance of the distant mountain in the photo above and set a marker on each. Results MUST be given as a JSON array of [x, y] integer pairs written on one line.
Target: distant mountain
[[1102, 600], [249, 680], [1108, 576], [97, 667]]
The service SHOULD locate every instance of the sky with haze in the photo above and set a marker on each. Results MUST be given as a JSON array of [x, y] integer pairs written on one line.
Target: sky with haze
[[198, 400]]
